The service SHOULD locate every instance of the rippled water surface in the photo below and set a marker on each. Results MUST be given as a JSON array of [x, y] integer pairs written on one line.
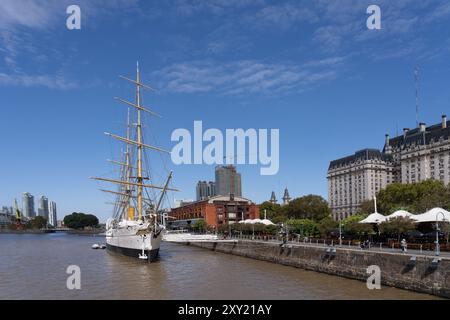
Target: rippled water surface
[[34, 267]]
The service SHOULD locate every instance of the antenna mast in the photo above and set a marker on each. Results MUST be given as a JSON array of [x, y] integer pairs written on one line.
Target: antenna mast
[[416, 80]]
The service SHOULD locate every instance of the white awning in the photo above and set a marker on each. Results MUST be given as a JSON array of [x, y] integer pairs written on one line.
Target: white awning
[[402, 214], [253, 221], [432, 215], [374, 218], [267, 222]]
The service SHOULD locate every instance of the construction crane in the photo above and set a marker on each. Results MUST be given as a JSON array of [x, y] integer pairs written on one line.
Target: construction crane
[[19, 224]]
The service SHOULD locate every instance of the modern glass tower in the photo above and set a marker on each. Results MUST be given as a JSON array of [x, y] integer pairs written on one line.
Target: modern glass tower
[[28, 205], [228, 181], [205, 190], [52, 217], [43, 207]]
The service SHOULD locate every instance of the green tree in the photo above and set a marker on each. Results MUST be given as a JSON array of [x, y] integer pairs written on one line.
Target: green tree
[[353, 228], [272, 210], [397, 227], [326, 226], [304, 227], [200, 225], [416, 197], [312, 207], [78, 220], [37, 223], [271, 229], [431, 194]]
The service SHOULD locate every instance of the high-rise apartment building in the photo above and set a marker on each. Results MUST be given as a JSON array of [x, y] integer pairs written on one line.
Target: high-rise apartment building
[[43, 207], [52, 216], [205, 190], [228, 181], [28, 205]]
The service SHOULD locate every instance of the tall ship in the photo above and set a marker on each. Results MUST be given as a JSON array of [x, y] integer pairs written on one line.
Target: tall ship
[[136, 227]]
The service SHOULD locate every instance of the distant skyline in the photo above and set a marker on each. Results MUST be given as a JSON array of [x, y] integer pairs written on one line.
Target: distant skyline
[[311, 69]]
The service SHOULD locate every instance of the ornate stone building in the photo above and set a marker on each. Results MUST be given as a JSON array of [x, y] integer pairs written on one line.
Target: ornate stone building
[[356, 178], [422, 153], [416, 155]]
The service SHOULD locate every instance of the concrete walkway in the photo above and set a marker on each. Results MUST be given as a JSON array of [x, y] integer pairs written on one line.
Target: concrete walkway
[[376, 248]]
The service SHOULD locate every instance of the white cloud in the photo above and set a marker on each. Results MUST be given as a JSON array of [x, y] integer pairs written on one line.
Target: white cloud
[[214, 7], [22, 22], [27, 13], [283, 16], [245, 76], [25, 80]]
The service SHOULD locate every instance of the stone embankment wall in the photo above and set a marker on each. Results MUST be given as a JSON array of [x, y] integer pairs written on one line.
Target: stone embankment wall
[[401, 270]]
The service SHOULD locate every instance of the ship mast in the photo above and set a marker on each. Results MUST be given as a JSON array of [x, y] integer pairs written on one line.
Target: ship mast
[[126, 192], [128, 170], [139, 144]]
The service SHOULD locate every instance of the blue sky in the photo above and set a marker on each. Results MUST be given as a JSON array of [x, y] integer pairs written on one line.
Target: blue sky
[[308, 68]]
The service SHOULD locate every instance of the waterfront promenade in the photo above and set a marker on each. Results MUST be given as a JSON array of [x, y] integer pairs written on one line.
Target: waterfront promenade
[[374, 247], [412, 270]]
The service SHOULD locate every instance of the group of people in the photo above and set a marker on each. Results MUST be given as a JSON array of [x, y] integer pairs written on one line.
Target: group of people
[[403, 245], [365, 244]]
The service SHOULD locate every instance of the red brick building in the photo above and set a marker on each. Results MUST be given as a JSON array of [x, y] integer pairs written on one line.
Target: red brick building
[[215, 211]]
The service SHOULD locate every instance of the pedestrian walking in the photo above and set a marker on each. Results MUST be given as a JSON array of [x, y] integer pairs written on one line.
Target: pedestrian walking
[[404, 245]]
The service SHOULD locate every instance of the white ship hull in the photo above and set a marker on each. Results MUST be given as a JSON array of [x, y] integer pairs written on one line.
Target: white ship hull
[[134, 240]]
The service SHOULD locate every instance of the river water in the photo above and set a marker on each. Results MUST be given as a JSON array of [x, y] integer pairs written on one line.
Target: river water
[[33, 266]]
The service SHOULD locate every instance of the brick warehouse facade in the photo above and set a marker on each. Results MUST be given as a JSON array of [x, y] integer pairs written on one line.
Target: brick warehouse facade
[[215, 211]]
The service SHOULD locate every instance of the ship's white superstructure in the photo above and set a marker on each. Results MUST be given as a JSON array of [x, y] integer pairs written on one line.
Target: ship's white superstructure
[[185, 236]]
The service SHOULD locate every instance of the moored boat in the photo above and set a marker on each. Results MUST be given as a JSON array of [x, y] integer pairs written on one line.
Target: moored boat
[[135, 230]]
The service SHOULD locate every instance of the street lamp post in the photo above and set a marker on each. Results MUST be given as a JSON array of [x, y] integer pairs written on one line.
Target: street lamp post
[[340, 233], [437, 233], [253, 234], [242, 221]]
